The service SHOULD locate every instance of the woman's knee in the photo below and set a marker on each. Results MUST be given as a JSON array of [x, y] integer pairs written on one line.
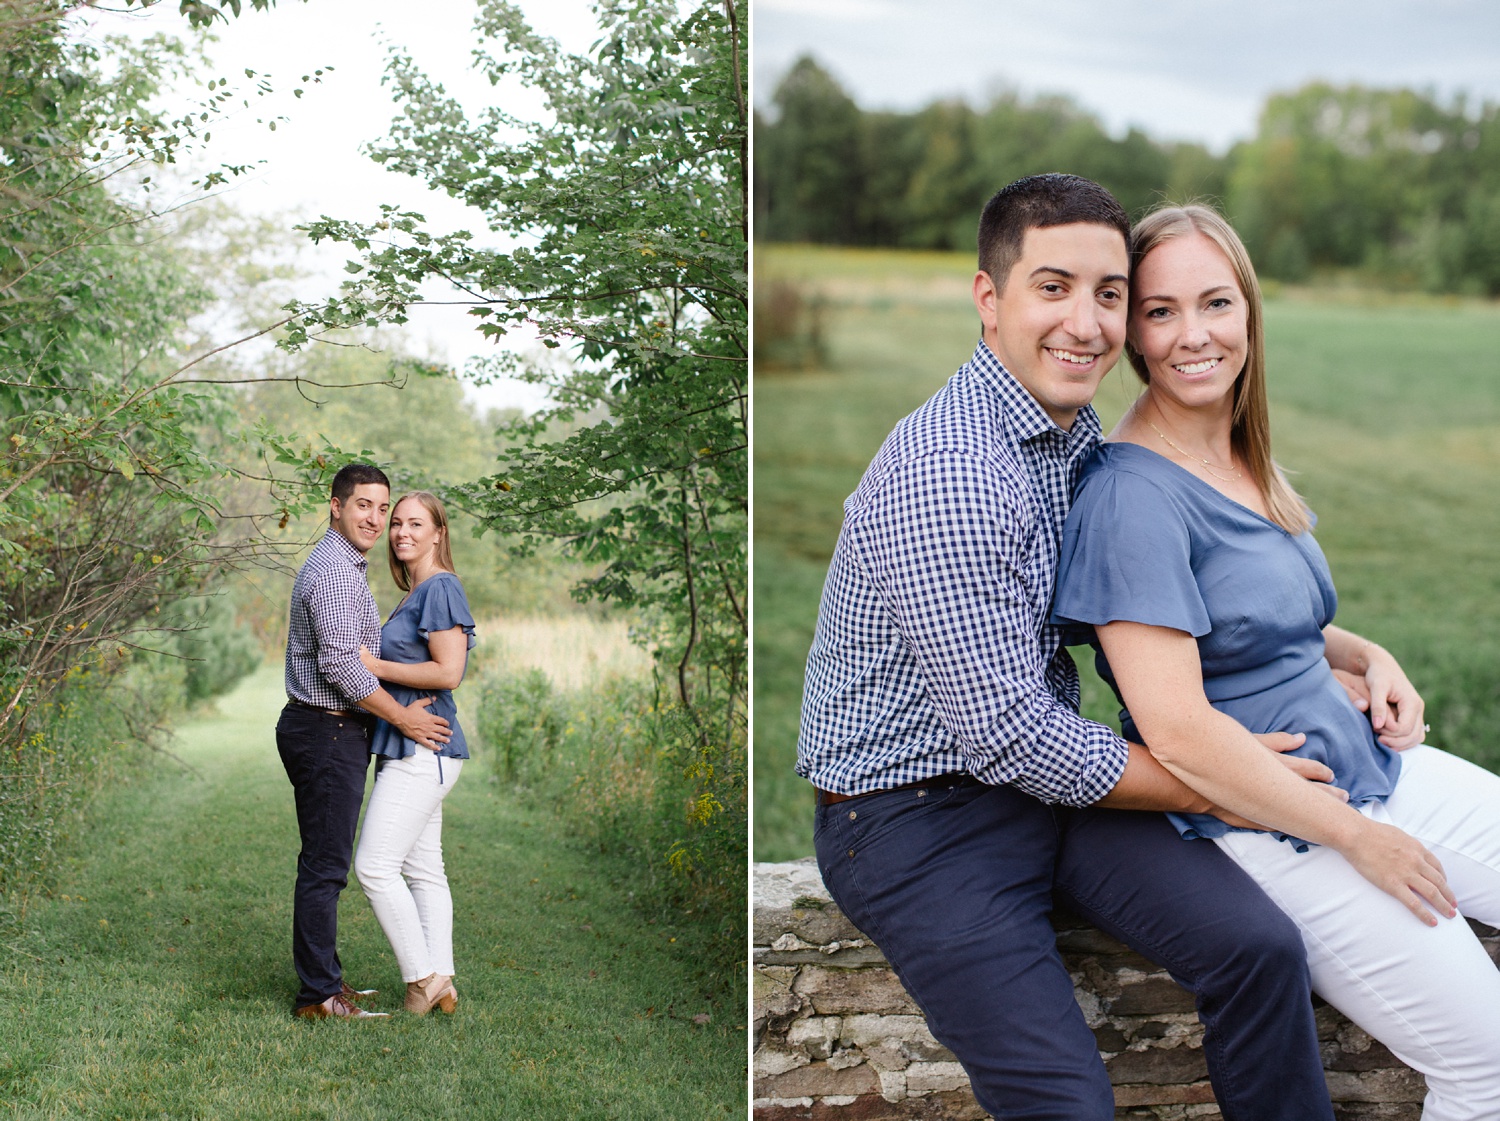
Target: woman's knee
[[374, 871]]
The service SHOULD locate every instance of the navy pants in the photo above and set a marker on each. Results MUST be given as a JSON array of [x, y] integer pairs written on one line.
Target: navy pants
[[325, 756], [954, 882]]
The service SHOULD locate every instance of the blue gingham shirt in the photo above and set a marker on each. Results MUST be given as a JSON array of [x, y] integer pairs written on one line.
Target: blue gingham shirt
[[333, 615], [933, 651]]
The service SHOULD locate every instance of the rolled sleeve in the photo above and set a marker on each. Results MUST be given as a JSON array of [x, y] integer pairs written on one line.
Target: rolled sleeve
[[953, 564]]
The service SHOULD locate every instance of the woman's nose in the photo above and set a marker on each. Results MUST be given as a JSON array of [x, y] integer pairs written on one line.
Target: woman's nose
[[1194, 333]]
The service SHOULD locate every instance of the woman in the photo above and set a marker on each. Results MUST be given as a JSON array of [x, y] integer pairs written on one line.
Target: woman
[[1192, 557], [424, 647]]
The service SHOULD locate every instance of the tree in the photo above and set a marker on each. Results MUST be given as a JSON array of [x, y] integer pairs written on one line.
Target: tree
[[627, 206], [810, 159], [109, 470]]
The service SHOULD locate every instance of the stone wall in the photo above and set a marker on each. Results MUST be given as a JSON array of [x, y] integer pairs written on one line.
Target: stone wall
[[838, 1039]]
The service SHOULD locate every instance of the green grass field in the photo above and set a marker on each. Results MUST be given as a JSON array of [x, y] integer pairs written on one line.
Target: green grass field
[[1386, 411], [156, 979]]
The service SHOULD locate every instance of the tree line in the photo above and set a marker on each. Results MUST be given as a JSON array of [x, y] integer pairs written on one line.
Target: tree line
[[1393, 186]]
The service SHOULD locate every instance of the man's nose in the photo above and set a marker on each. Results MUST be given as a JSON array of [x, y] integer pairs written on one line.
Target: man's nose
[[1083, 319]]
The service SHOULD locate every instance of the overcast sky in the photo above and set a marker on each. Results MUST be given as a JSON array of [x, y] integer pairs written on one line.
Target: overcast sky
[[312, 163], [1179, 69]]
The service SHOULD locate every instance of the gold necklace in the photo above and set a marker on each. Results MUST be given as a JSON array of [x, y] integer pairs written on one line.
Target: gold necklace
[[1209, 467]]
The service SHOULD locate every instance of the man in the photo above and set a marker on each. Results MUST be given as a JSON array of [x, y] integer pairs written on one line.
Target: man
[[323, 735], [958, 788]]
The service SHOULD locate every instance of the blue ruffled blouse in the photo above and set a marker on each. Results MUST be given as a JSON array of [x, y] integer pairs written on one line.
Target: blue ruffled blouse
[[437, 604], [1148, 542]]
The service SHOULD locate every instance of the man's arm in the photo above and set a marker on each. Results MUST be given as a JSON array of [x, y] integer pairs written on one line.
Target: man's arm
[[947, 542], [334, 605]]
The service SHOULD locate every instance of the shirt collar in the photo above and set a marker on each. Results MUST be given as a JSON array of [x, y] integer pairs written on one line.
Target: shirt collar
[[1024, 415], [340, 543]]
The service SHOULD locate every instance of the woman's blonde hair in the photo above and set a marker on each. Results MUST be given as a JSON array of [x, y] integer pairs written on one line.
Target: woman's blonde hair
[[1250, 427], [442, 553]]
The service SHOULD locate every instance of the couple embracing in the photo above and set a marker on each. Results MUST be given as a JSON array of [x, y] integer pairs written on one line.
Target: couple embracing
[[1309, 838], [356, 689]]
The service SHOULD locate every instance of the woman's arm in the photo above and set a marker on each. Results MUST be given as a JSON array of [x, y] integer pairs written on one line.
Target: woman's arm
[[1161, 681], [450, 653], [1394, 705]]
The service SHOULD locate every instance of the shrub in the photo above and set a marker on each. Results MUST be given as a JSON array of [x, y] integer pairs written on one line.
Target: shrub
[[789, 327], [216, 648], [632, 777], [90, 732]]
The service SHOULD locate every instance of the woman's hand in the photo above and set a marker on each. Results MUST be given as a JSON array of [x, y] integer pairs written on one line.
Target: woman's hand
[[1395, 705], [368, 660], [1377, 685], [1399, 865]]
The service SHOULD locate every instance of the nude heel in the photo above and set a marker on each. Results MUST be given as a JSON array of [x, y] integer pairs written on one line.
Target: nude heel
[[432, 991]]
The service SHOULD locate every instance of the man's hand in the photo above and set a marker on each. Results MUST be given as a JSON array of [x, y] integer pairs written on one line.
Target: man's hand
[[426, 728], [1354, 685]]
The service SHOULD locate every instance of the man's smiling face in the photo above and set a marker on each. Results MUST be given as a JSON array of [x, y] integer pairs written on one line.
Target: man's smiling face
[[1059, 322], [361, 517]]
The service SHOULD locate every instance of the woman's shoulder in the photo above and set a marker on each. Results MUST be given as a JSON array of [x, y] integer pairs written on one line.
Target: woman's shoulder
[[1126, 470], [442, 582], [442, 603]]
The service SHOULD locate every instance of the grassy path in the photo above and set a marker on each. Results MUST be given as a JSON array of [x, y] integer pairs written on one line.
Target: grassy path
[[157, 982]]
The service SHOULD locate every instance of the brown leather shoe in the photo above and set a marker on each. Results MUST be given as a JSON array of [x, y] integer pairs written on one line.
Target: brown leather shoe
[[356, 996], [338, 1005]]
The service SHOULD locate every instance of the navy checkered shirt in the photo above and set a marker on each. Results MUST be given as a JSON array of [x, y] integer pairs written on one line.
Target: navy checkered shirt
[[933, 653], [333, 615]]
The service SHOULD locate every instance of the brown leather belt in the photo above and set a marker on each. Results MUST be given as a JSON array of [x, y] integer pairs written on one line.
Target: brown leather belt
[[828, 798], [326, 711]]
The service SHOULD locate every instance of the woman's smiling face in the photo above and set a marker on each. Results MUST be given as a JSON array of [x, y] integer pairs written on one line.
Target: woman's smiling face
[[1189, 320], [413, 533]]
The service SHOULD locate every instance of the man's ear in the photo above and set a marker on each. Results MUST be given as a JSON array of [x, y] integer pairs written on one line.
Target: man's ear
[[986, 298], [334, 506]]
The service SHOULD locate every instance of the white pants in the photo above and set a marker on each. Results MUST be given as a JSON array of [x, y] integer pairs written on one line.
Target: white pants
[[1430, 994], [400, 862]]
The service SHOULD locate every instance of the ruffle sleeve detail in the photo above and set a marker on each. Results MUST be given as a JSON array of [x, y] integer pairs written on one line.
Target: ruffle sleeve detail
[[444, 606], [1127, 556]]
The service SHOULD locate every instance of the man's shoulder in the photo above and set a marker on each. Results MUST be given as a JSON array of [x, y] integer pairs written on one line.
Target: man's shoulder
[[962, 421], [331, 559]]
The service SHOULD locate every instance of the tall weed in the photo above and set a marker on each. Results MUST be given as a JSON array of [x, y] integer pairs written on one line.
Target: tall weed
[[88, 734], [632, 776]]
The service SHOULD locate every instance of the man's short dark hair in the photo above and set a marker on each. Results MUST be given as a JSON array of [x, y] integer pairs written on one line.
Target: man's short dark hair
[[1039, 201], [353, 475]]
